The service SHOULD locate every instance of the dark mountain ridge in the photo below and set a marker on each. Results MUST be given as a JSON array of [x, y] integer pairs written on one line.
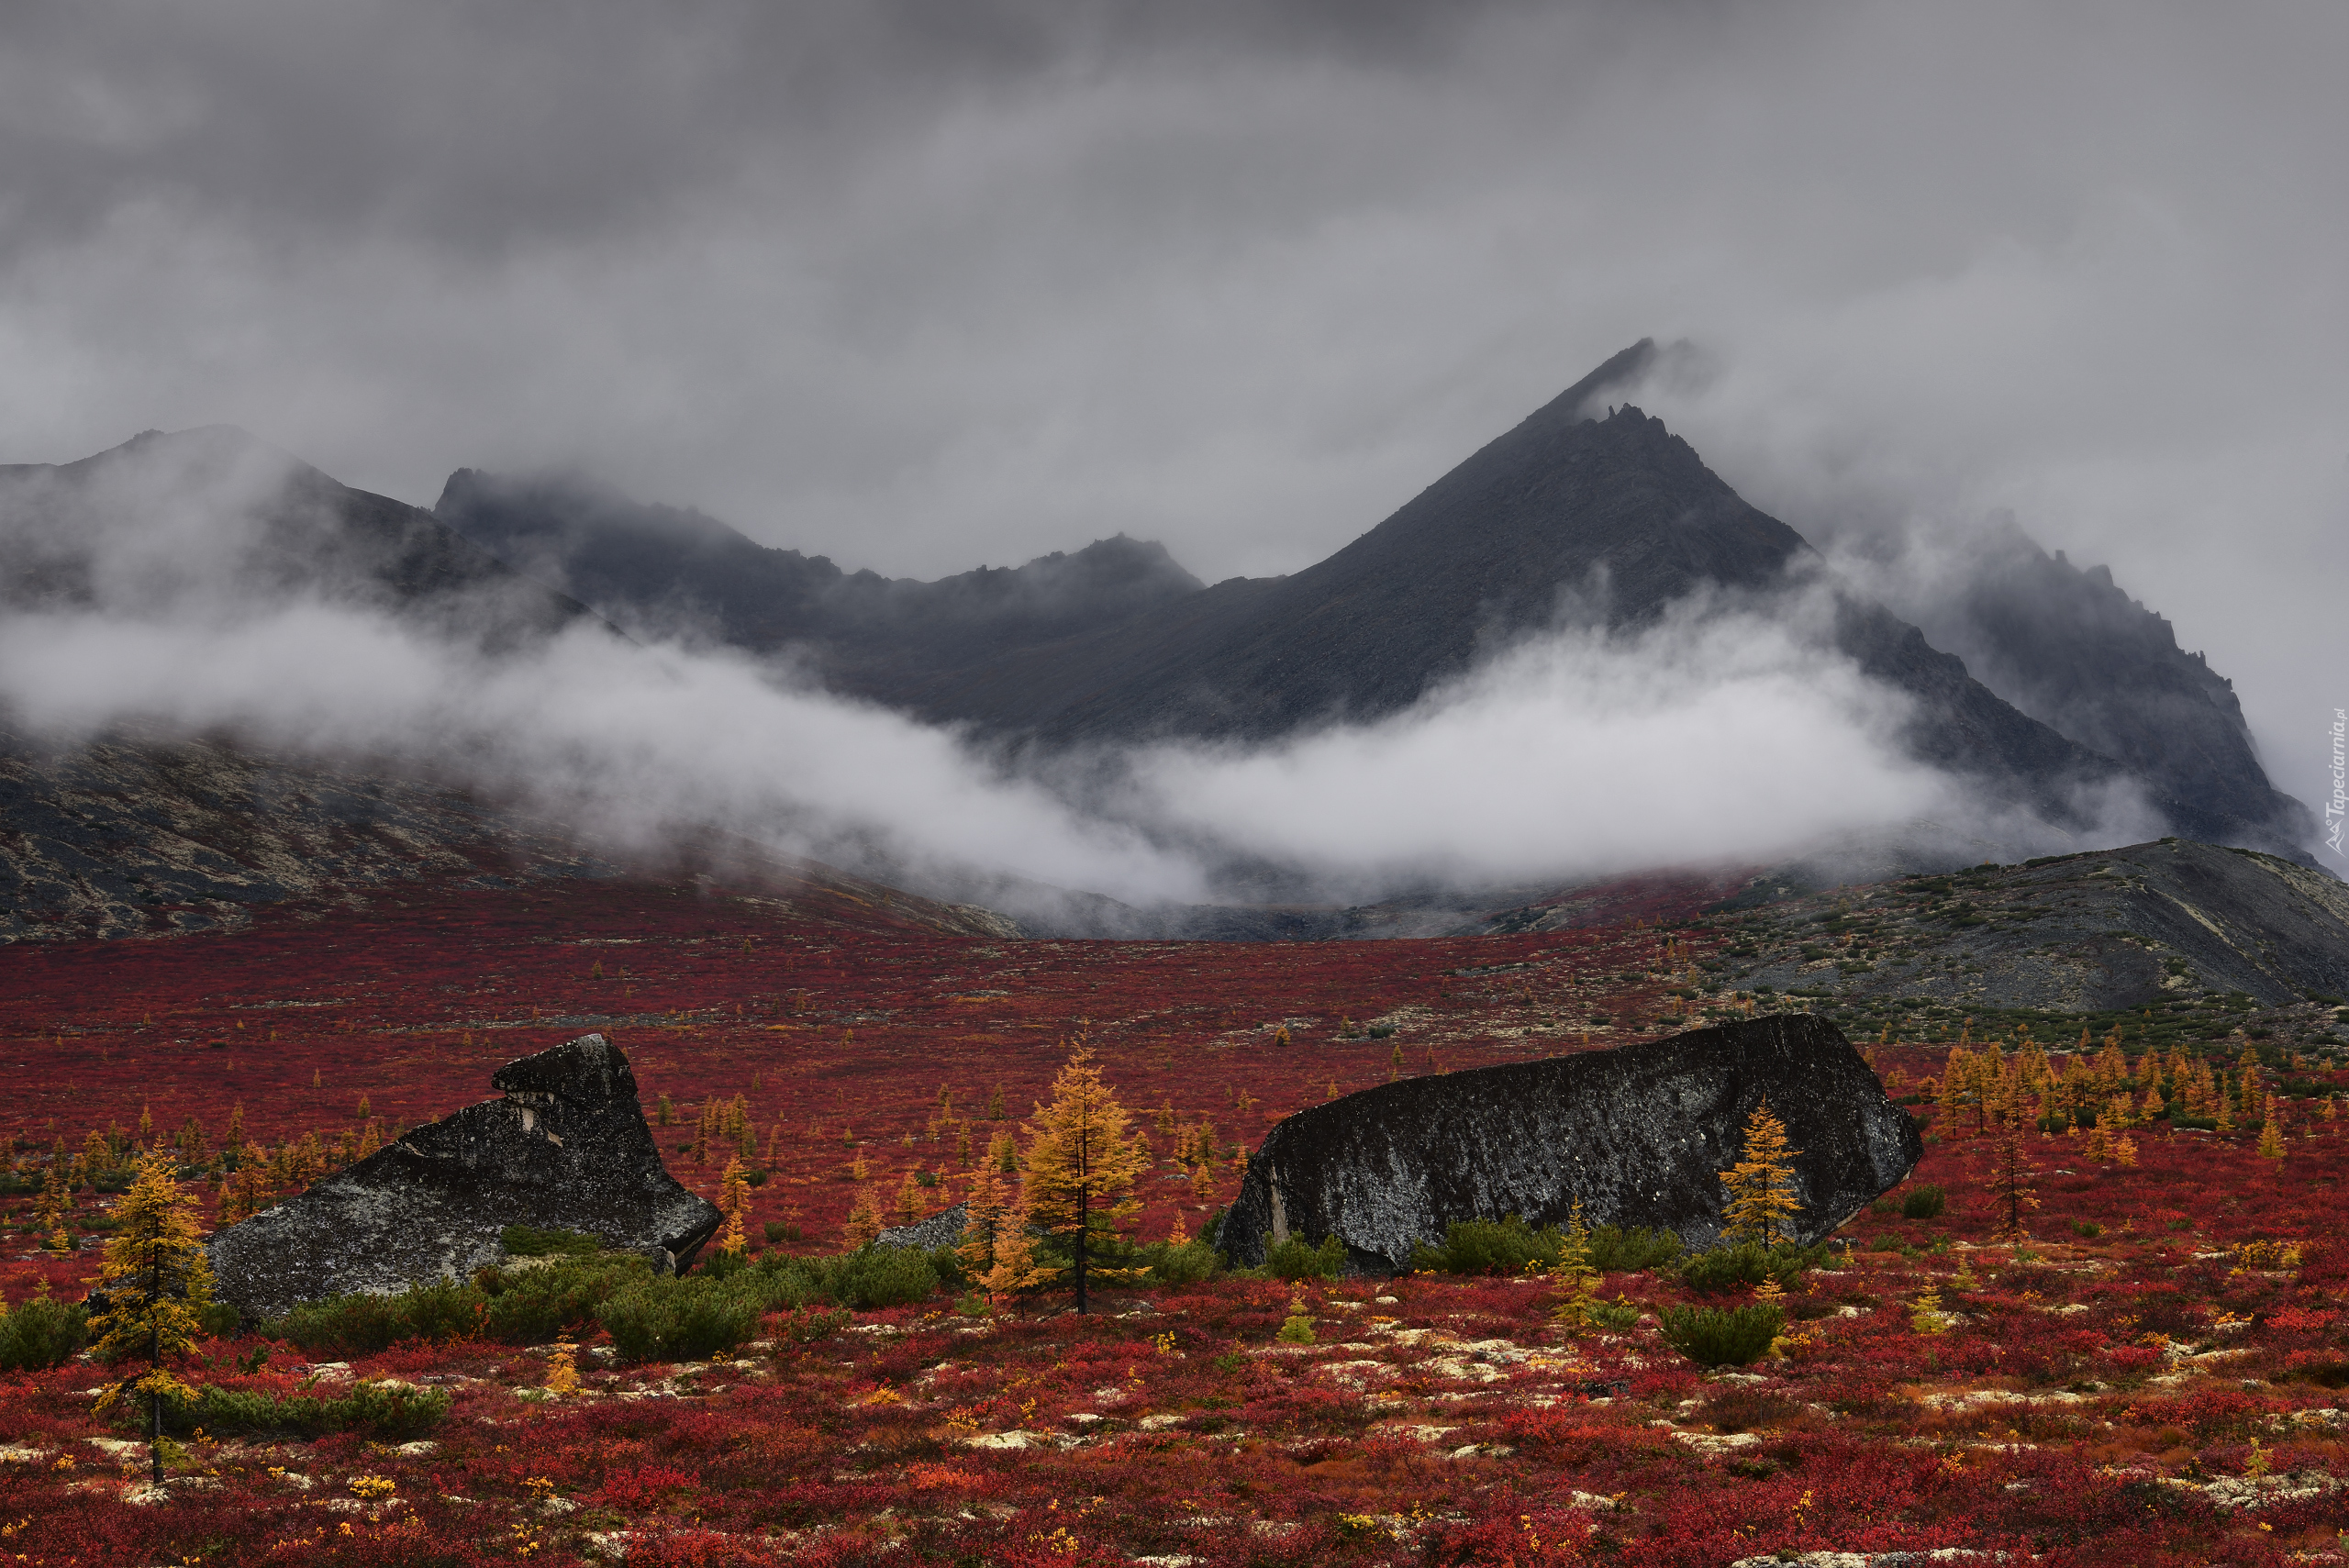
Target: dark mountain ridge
[[674, 571]]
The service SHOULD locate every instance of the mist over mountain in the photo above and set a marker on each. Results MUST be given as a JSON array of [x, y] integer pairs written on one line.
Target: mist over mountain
[[1579, 652], [2043, 686], [209, 519], [2070, 648]]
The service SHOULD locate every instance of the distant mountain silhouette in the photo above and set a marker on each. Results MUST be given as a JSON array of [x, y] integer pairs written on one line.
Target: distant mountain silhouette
[[212, 516]]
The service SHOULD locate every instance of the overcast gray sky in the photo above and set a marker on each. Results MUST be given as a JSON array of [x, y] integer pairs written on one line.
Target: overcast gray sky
[[924, 286]]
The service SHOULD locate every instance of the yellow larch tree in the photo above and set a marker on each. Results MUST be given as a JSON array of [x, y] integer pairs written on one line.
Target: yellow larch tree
[[995, 1249], [156, 1283], [734, 1202], [1576, 1281], [1761, 1184], [863, 1218], [2271, 1132], [1082, 1159]]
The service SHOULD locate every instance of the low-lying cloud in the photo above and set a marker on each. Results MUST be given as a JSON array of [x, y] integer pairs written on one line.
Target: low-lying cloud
[[1712, 736], [1719, 735]]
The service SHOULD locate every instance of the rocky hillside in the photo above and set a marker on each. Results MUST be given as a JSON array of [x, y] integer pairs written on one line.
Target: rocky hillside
[[2171, 924], [2071, 648], [129, 837]]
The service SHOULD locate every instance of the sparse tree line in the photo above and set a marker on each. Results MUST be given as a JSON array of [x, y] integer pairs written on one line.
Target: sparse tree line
[[246, 1177]]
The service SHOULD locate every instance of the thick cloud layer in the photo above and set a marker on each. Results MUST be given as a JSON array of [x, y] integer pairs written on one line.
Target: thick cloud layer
[[927, 285]]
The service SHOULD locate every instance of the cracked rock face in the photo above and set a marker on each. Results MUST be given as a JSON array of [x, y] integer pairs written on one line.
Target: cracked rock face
[[566, 1148], [1640, 1134]]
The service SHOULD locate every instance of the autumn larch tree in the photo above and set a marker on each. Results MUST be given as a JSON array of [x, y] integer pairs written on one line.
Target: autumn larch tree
[[863, 1218], [734, 1202], [996, 1248], [1083, 1161], [156, 1283], [1761, 1184]]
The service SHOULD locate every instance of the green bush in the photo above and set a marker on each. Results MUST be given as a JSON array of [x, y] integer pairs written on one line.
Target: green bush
[[882, 1277], [527, 1241], [1297, 1259], [363, 1324], [1616, 1316], [1617, 1250], [1750, 1262], [1925, 1202], [386, 1414], [531, 1306], [1511, 1247], [721, 1264], [41, 1333], [714, 1307], [1710, 1336], [1187, 1264], [520, 1306], [1489, 1247], [680, 1320], [347, 1325]]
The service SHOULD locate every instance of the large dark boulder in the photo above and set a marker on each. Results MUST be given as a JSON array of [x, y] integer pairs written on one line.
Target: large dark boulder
[[565, 1148], [1639, 1134]]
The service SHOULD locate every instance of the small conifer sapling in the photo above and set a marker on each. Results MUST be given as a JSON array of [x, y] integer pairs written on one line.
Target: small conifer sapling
[[1761, 1184], [734, 1201]]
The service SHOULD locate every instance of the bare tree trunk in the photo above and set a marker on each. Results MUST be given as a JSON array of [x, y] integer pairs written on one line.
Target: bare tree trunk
[[154, 1361], [1084, 1223]]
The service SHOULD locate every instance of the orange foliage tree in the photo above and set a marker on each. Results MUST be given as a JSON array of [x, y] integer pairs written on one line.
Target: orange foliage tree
[[1082, 1160]]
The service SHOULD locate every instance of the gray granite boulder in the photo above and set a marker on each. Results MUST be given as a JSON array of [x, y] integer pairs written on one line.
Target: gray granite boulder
[[566, 1148], [1639, 1134]]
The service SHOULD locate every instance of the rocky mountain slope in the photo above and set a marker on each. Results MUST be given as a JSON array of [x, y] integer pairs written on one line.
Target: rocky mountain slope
[[2149, 926], [130, 837]]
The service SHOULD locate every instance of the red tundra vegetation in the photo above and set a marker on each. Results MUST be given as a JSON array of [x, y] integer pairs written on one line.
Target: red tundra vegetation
[[2081, 1344]]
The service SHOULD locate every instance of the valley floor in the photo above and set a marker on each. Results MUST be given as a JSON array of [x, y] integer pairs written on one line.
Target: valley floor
[[2152, 1375]]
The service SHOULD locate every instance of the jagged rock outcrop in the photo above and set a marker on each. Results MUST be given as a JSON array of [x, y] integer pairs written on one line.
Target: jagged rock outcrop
[[943, 1229], [566, 1148], [1639, 1134]]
